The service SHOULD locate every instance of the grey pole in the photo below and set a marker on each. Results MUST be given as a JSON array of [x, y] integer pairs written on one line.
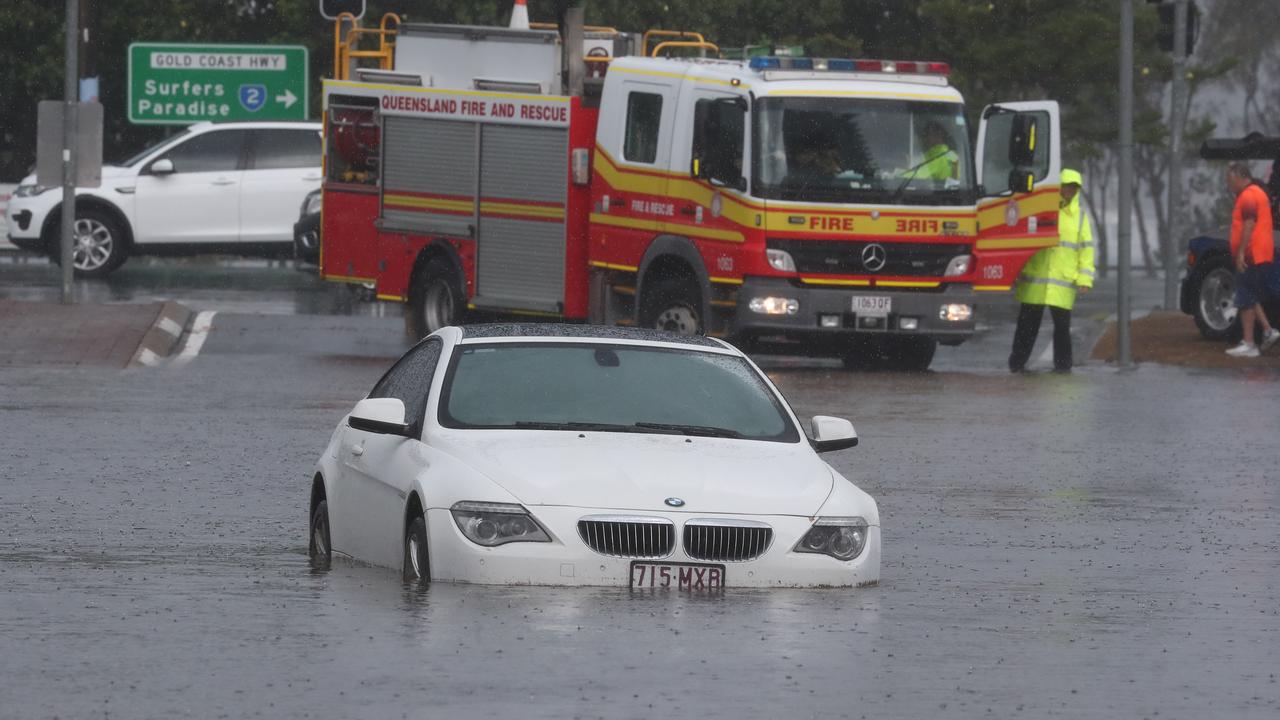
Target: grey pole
[[71, 93], [1178, 98], [1124, 231]]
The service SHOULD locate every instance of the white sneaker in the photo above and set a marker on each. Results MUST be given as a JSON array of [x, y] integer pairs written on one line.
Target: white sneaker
[[1244, 350], [1269, 339]]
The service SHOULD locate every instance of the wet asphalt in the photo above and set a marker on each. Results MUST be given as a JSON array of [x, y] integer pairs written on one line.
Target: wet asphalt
[[1103, 544]]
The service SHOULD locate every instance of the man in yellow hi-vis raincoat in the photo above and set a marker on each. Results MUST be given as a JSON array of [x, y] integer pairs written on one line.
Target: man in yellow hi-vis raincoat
[[1052, 277]]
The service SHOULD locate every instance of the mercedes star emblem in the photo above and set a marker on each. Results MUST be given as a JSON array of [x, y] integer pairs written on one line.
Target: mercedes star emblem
[[674, 502], [874, 257]]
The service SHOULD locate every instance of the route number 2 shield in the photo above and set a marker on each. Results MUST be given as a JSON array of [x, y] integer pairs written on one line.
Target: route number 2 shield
[[253, 97]]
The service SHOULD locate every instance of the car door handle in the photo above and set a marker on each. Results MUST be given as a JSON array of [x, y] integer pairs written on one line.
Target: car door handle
[[224, 181], [358, 450]]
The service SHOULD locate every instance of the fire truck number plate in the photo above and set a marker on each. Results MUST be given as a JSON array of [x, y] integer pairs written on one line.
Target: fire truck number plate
[[872, 306]]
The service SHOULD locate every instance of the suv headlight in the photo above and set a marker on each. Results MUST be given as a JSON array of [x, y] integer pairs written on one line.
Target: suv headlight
[[491, 524], [843, 538], [30, 190], [311, 206]]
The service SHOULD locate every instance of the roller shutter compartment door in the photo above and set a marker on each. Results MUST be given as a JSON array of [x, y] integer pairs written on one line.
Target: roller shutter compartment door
[[429, 181], [521, 245]]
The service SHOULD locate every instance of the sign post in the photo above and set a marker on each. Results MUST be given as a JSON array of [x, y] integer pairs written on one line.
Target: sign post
[[175, 84]]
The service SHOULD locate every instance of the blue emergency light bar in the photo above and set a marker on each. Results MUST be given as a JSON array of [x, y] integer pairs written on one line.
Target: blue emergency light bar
[[914, 67]]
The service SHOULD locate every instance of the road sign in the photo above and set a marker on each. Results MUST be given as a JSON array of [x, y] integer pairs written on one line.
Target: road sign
[[174, 84]]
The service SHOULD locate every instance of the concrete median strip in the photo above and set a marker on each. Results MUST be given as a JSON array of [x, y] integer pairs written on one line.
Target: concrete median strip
[[161, 340]]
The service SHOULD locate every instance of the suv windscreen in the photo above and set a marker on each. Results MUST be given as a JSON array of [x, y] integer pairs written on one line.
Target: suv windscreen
[[848, 150], [611, 388]]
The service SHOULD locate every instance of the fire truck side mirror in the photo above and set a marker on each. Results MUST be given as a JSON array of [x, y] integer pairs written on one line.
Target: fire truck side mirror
[[1023, 137], [1021, 181]]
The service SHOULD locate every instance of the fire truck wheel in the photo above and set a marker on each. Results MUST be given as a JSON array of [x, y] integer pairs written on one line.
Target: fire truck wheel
[[672, 305], [436, 300], [912, 354]]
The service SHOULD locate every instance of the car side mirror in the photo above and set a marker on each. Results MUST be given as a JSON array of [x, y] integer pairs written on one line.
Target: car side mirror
[[163, 166], [832, 433], [379, 415]]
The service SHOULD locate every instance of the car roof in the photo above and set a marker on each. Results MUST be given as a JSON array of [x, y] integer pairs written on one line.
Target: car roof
[[554, 331]]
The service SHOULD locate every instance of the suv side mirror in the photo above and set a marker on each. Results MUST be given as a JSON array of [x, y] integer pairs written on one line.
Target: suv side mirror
[[832, 433], [163, 166], [379, 415]]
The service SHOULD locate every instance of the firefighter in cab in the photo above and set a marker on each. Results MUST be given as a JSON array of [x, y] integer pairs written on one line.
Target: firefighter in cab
[[1052, 277]]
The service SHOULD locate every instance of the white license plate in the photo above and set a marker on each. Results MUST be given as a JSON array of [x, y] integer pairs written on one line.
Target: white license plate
[[682, 576], [872, 305]]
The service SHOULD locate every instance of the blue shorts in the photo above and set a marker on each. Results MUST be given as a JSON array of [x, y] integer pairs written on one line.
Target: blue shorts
[[1249, 285]]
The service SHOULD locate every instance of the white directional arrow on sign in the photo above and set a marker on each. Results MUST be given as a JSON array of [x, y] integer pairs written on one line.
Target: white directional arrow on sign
[[288, 98]]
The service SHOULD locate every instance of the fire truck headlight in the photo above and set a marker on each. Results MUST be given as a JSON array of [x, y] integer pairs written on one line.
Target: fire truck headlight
[[781, 260], [774, 305], [959, 265], [955, 312]]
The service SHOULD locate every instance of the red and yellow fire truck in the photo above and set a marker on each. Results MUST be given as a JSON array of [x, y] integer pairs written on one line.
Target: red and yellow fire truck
[[821, 206]]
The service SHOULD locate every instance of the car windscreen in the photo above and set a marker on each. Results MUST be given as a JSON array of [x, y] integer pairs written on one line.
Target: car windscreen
[[846, 150], [610, 388], [139, 157]]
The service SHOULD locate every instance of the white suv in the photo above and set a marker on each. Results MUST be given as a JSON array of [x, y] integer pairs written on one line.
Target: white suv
[[213, 187]]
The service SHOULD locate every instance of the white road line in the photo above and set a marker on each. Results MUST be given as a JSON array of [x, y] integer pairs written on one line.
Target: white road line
[[147, 357], [169, 327], [199, 332]]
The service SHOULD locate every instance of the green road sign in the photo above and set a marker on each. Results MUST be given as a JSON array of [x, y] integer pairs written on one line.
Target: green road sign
[[172, 84]]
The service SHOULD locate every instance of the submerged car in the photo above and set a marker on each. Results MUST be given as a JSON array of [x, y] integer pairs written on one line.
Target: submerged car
[[578, 455]]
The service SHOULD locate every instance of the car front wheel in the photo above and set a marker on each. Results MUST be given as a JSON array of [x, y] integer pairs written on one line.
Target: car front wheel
[[416, 563], [672, 305], [320, 550], [98, 245]]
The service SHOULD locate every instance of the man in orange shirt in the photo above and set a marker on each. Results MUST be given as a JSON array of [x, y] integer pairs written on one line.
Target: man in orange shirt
[[1253, 248]]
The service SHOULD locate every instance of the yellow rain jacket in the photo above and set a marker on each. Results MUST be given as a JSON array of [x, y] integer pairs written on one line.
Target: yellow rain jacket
[[1052, 275]]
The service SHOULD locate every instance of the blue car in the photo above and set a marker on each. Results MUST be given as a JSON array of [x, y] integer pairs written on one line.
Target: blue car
[[1208, 285]]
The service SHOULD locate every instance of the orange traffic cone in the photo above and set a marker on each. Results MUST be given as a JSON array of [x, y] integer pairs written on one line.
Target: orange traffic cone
[[520, 16]]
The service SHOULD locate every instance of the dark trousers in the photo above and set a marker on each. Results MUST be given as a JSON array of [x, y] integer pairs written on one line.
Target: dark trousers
[[1024, 338]]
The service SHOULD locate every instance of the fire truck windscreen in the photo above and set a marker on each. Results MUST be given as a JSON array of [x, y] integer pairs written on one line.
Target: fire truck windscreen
[[850, 150]]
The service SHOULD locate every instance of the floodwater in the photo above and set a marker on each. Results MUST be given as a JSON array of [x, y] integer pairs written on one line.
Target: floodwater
[[1104, 544]]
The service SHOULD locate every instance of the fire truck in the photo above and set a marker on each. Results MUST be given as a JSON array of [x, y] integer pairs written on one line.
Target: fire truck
[[823, 206]]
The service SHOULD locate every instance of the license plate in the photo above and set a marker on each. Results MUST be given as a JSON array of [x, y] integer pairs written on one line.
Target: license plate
[[872, 305], [682, 576]]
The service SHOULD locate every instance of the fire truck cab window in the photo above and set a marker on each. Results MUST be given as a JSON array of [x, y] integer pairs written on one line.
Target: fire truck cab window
[[644, 116], [995, 163], [718, 139]]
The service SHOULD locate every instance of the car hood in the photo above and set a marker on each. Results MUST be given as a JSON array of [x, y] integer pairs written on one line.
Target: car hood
[[634, 472], [108, 172]]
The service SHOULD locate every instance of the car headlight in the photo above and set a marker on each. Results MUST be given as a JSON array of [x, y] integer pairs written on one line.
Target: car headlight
[[843, 538], [491, 524], [311, 206], [30, 190]]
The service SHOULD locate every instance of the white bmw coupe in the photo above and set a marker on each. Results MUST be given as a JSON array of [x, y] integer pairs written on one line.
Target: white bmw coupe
[[580, 455]]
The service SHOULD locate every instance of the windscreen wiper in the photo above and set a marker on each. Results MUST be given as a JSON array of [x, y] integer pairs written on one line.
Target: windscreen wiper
[[911, 175], [698, 430], [599, 427]]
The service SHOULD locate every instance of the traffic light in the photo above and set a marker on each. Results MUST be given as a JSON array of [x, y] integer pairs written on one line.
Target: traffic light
[[331, 9], [1164, 37]]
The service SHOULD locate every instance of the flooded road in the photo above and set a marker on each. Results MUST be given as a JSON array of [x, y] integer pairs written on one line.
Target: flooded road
[[1103, 544]]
